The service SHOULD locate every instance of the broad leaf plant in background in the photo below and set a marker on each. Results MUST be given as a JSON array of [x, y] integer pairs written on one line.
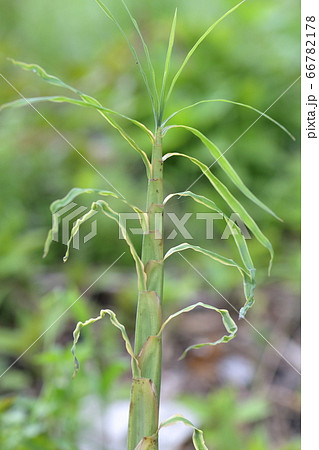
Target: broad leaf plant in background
[[146, 353]]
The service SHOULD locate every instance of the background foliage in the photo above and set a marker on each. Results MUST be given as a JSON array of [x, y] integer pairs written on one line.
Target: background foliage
[[251, 394]]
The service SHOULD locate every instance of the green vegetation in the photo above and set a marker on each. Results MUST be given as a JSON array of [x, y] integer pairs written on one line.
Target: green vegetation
[[146, 356]]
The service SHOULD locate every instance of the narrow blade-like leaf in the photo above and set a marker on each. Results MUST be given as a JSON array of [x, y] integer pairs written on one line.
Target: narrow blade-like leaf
[[167, 64], [147, 55], [133, 51], [247, 275], [117, 324], [227, 168], [233, 103], [90, 101], [240, 241], [234, 204], [198, 436], [61, 203], [193, 49]]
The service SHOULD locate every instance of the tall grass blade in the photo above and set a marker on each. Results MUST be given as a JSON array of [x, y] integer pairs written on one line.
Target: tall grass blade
[[228, 323], [167, 65], [87, 101], [73, 101], [147, 55], [193, 49], [234, 204], [133, 51], [244, 105], [109, 212], [215, 256], [117, 324], [198, 436], [75, 192], [247, 275], [241, 244], [227, 168]]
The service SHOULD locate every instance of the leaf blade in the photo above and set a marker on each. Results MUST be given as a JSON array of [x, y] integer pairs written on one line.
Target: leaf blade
[[167, 64], [234, 204], [198, 42], [117, 324], [248, 281], [244, 105], [227, 168]]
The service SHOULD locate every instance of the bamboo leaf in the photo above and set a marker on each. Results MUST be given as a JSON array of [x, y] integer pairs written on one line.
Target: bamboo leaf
[[227, 168], [88, 104], [167, 64], [198, 436], [147, 55], [193, 49], [109, 212], [228, 323], [212, 255], [75, 192], [233, 103], [44, 75], [117, 324], [247, 275], [198, 198], [88, 101], [240, 241], [132, 49], [148, 443], [234, 204]]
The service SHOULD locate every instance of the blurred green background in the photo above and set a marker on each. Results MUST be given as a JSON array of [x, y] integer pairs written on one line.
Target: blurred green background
[[244, 395]]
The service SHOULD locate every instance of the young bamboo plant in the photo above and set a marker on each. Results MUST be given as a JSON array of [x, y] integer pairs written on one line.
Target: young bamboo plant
[[146, 356]]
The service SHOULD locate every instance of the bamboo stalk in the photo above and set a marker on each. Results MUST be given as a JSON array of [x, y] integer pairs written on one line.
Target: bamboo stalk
[[145, 392]]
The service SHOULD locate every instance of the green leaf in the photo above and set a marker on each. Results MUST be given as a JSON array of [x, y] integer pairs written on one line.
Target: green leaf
[[193, 49], [117, 324], [75, 192], [149, 443], [167, 65], [44, 75], [147, 54], [233, 103], [109, 212], [227, 168], [132, 49], [228, 322], [247, 275], [198, 436], [88, 101], [240, 241], [88, 104], [231, 201], [212, 255]]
